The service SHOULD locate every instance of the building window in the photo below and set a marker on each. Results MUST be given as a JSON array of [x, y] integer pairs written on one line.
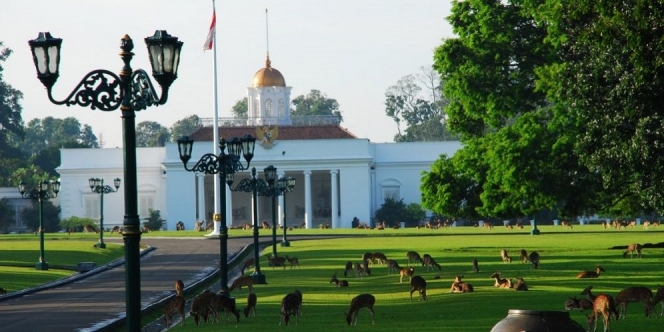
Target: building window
[[92, 204], [391, 192], [145, 204], [269, 111], [281, 108], [256, 109]]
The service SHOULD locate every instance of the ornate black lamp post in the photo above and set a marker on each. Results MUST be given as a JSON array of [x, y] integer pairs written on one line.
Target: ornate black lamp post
[[46, 190], [225, 165], [97, 186], [130, 91], [254, 186], [285, 185]]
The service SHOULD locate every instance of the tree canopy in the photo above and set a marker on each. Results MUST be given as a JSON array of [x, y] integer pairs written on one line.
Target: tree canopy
[[151, 134], [185, 126], [315, 103], [241, 108]]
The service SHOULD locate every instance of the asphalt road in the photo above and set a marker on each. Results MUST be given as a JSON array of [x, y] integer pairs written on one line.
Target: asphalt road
[[93, 302]]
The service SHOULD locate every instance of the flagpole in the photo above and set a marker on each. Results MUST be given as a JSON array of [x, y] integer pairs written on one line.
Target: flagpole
[[215, 132]]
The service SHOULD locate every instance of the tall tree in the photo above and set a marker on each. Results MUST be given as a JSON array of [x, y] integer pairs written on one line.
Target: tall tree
[[11, 123], [185, 126], [52, 132], [151, 134], [7, 215], [315, 103], [241, 108]]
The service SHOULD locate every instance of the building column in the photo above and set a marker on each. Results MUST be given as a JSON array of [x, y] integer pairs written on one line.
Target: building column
[[373, 194], [280, 207], [308, 212], [229, 204], [200, 213], [334, 192]]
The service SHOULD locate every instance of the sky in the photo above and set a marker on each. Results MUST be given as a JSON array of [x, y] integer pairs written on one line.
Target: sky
[[350, 50]]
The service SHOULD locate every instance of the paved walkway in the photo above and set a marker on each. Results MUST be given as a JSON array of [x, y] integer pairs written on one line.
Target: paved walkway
[[93, 303]]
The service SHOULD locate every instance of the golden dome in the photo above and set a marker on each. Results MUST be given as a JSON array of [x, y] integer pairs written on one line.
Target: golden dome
[[268, 76]]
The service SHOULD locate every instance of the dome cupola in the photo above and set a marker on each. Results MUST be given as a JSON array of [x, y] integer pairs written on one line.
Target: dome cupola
[[268, 76]]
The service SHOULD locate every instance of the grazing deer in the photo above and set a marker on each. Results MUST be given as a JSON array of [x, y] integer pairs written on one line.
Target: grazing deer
[[633, 294], [251, 305], [276, 261], [505, 257], [573, 303], [179, 287], [241, 281], [290, 306], [265, 225], [116, 229], [357, 303], [392, 266], [488, 225], [90, 229], [348, 268], [228, 305], [429, 262], [646, 224], [293, 261], [476, 266], [406, 272], [179, 226], [413, 256], [566, 224], [417, 283], [379, 258], [339, 283], [603, 304], [367, 256], [659, 298], [175, 305], [202, 306], [500, 282], [591, 274], [520, 284], [459, 286], [631, 249], [360, 270], [381, 226], [535, 259], [523, 256], [247, 264]]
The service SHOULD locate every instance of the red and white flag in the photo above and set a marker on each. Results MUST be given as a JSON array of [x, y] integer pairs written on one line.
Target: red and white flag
[[210, 37]]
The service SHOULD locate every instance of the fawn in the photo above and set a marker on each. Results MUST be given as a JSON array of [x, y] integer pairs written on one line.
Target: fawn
[[414, 256], [242, 281], [458, 286], [501, 282], [429, 262], [175, 305], [523, 256], [293, 261], [631, 249], [417, 283], [392, 265], [505, 257], [179, 287], [520, 285], [406, 271], [357, 303], [535, 259], [633, 294], [339, 283], [251, 305], [290, 306], [591, 274], [573, 303], [348, 268], [476, 266]]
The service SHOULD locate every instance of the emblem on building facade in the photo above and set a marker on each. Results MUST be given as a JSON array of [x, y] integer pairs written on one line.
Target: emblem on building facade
[[267, 135]]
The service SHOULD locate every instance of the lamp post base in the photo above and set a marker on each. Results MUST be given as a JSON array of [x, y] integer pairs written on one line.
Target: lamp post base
[[100, 245], [42, 266], [259, 278], [535, 231], [285, 243]]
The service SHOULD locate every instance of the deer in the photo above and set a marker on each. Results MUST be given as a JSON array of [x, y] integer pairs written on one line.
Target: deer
[[523, 256], [293, 261], [459, 286], [591, 274], [276, 261], [247, 264], [417, 283], [202, 306], [339, 283], [501, 282], [379, 258], [566, 224], [476, 266], [357, 303], [219, 302], [265, 225], [505, 257], [116, 229], [290, 306], [406, 271], [631, 249], [603, 304], [241, 281], [179, 287], [179, 226], [413, 256], [633, 294], [360, 270], [348, 268], [251, 305], [90, 229], [520, 284], [429, 262], [535, 259], [588, 293], [659, 298], [367, 256], [392, 265], [175, 305], [3, 291], [573, 303]]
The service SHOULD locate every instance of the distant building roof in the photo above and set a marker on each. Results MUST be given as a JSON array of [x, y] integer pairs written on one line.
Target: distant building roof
[[285, 132]]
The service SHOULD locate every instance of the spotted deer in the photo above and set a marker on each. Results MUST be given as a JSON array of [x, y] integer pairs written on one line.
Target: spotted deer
[[406, 271], [413, 256], [417, 283], [534, 258], [179, 287], [276, 261], [367, 256], [251, 305], [633, 294], [339, 283], [226, 304], [520, 284], [293, 261], [523, 256], [290, 306], [591, 297], [500, 282], [429, 263], [116, 229], [265, 225], [659, 298], [566, 224], [631, 249], [459, 286], [392, 266], [348, 268], [357, 303], [591, 274], [241, 281], [604, 305], [175, 305], [202, 306], [505, 257], [360, 271], [573, 303], [379, 258], [90, 229]]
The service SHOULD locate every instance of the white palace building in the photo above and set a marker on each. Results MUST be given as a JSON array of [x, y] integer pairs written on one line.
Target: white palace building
[[338, 176]]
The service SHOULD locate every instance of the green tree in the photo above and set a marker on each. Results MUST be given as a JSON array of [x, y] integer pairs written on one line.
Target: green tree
[[241, 108], [7, 215], [52, 132], [315, 103], [185, 126], [151, 134], [77, 223], [154, 221], [394, 211], [51, 213], [11, 123]]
